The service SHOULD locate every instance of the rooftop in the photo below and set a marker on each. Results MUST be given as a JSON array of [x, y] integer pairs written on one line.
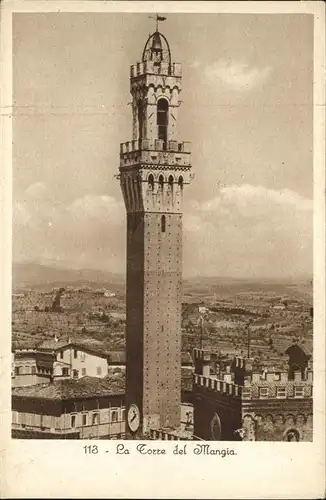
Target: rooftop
[[99, 349], [85, 387]]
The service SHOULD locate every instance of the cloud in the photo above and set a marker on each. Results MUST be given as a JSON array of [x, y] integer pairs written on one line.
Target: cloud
[[36, 190], [244, 231], [249, 230], [88, 231], [237, 75]]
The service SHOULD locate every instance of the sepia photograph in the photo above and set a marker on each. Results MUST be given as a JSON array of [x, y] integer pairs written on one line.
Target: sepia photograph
[[163, 269], [162, 227]]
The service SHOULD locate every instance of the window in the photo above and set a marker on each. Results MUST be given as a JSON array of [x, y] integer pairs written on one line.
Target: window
[[151, 181], [17, 370], [83, 372], [75, 353], [75, 373], [61, 354], [263, 392], [171, 181], [95, 418], [65, 372], [84, 419], [73, 421], [246, 393], [162, 120], [114, 416], [163, 223], [298, 392], [180, 181], [99, 370], [280, 392], [161, 182]]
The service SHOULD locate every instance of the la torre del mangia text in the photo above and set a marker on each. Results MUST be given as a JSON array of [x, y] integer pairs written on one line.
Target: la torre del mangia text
[[155, 168]]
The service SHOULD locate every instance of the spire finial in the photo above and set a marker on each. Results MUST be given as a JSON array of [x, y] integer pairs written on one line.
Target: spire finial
[[157, 19]]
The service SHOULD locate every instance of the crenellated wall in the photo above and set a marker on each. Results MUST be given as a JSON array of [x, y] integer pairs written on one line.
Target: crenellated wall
[[266, 406]]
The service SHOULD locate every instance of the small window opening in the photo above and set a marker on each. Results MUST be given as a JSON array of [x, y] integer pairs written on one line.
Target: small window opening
[[180, 181], [163, 223], [151, 181], [161, 182], [171, 181]]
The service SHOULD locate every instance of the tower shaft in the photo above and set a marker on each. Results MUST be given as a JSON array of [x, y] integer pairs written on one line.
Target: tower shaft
[[154, 169]]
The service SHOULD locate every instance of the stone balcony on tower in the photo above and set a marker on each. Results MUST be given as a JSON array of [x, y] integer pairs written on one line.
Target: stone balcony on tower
[[155, 152]]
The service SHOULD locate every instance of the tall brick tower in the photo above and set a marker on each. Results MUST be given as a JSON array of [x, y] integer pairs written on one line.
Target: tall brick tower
[[154, 170]]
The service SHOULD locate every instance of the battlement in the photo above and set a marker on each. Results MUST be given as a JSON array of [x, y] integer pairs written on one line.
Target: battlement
[[200, 354], [273, 377], [217, 385], [150, 67], [154, 145], [170, 435], [239, 363], [155, 152]]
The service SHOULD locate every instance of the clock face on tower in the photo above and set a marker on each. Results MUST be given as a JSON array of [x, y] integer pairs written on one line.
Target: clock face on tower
[[133, 417]]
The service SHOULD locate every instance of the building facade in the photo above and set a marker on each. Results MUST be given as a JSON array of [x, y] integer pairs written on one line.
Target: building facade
[[75, 361], [31, 366], [238, 403], [88, 408], [154, 170]]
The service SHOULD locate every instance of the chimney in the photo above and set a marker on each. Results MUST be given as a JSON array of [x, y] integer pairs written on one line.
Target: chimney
[[297, 376], [255, 377], [284, 377]]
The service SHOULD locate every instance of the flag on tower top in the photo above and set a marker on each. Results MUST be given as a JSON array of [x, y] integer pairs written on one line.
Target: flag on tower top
[[157, 19]]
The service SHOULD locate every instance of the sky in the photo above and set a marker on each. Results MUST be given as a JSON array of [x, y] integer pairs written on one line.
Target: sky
[[246, 108]]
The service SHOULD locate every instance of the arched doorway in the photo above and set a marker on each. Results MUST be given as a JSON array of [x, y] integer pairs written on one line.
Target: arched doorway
[[215, 428], [292, 435]]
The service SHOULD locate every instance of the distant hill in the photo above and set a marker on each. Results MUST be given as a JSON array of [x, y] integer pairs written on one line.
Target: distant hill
[[33, 275], [42, 277]]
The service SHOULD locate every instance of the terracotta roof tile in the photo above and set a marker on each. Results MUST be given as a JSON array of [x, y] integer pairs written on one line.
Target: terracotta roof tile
[[74, 389]]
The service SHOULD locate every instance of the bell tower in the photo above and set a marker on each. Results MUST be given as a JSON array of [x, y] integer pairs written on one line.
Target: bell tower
[[155, 168]]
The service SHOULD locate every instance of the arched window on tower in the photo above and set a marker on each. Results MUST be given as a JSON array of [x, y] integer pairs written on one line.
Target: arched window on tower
[[161, 182], [151, 181], [163, 223], [171, 182], [162, 120], [180, 182]]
